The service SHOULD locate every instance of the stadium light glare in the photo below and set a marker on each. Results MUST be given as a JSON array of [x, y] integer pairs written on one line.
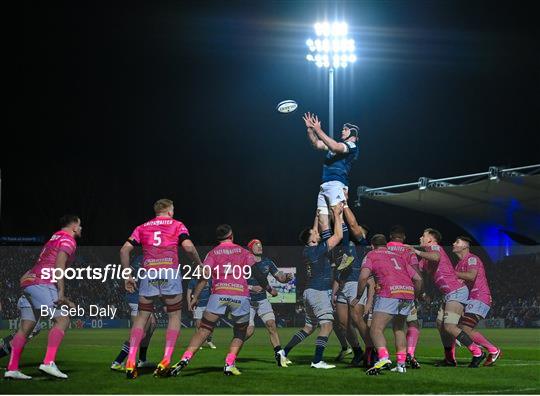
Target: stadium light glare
[[331, 49]]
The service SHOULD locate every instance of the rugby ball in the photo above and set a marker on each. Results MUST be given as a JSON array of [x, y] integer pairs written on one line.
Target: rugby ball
[[287, 106]]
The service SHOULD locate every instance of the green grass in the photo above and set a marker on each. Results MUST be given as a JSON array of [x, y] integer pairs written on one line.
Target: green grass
[[86, 356]]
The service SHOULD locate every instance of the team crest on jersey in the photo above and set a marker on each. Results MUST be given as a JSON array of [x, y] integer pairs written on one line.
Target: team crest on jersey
[[472, 261], [435, 248]]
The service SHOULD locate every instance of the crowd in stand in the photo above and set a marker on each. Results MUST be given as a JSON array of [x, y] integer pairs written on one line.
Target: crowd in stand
[[514, 284]]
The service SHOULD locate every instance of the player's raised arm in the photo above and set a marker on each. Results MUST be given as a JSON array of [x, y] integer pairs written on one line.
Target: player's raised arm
[[338, 227], [332, 145], [431, 256], [357, 231], [316, 143]]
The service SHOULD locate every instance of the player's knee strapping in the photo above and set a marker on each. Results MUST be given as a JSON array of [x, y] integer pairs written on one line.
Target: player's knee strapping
[[207, 324], [464, 339], [268, 316], [174, 307], [148, 307], [240, 330], [451, 317], [470, 320]]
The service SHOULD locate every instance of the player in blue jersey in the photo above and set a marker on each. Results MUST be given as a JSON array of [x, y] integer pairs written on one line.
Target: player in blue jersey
[[260, 305], [201, 305], [336, 168], [132, 299], [317, 295]]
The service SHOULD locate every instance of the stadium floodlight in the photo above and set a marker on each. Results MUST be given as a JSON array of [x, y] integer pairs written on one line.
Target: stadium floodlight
[[331, 49]]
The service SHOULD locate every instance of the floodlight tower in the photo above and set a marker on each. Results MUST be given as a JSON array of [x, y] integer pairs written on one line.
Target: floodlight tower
[[331, 49]]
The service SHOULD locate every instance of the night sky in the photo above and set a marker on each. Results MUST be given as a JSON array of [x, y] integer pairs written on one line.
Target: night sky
[[120, 104]]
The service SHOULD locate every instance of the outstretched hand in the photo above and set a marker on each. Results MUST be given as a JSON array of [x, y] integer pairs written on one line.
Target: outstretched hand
[[307, 119]]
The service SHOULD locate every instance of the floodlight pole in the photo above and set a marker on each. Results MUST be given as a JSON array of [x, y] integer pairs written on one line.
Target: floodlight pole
[[331, 102]]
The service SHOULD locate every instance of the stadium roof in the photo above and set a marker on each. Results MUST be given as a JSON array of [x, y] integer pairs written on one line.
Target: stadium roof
[[500, 208]]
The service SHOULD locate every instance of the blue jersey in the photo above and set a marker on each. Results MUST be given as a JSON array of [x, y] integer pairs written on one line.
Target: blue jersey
[[133, 298], [337, 166], [205, 292], [266, 266], [318, 267]]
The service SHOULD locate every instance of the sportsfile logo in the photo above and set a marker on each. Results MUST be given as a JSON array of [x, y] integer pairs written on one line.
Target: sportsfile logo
[[117, 272]]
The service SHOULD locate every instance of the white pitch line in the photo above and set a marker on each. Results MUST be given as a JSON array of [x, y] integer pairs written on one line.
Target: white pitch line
[[483, 392]]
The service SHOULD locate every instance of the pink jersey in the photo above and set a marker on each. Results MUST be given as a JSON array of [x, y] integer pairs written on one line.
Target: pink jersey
[[443, 273], [479, 289], [227, 261], [399, 248], [392, 274], [159, 238], [61, 241]]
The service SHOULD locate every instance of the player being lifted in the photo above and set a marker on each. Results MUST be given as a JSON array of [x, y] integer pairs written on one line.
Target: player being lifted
[[201, 305], [336, 168], [436, 262], [471, 270], [40, 291], [317, 294], [229, 265], [394, 299], [396, 245], [159, 238], [260, 305], [132, 300]]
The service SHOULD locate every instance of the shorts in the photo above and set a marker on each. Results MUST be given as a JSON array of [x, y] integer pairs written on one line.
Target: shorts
[[460, 295], [330, 193], [393, 306], [238, 306], [347, 293], [263, 309], [198, 313], [25, 309], [39, 296], [477, 307], [318, 304], [133, 309], [166, 285], [413, 316]]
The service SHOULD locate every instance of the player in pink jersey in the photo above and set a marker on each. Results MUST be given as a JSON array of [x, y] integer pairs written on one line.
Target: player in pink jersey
[[159, 238], [44, 294], [436, 262], [394, 300], [230, 266], [471, 269], [396, 245]]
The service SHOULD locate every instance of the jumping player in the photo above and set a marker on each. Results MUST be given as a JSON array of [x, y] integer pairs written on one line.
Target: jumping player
[[471, 270], [394, 299], [159, 238], [337, 166], [260, 305], [41, 291], [229, 265], [435, 261], [317, 295]]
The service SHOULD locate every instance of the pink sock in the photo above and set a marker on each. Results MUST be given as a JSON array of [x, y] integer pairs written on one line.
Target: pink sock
[[187, 355], [17, 345], [382, 353], [479, 339], [401, 357], [55, 339], [412, 339], [475, 350], [231, 357], [137, 334], [170, 342]]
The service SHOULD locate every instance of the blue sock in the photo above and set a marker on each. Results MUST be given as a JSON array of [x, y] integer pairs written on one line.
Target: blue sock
[[123, 353], [320, 344], [326, 234], [295, 340]]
